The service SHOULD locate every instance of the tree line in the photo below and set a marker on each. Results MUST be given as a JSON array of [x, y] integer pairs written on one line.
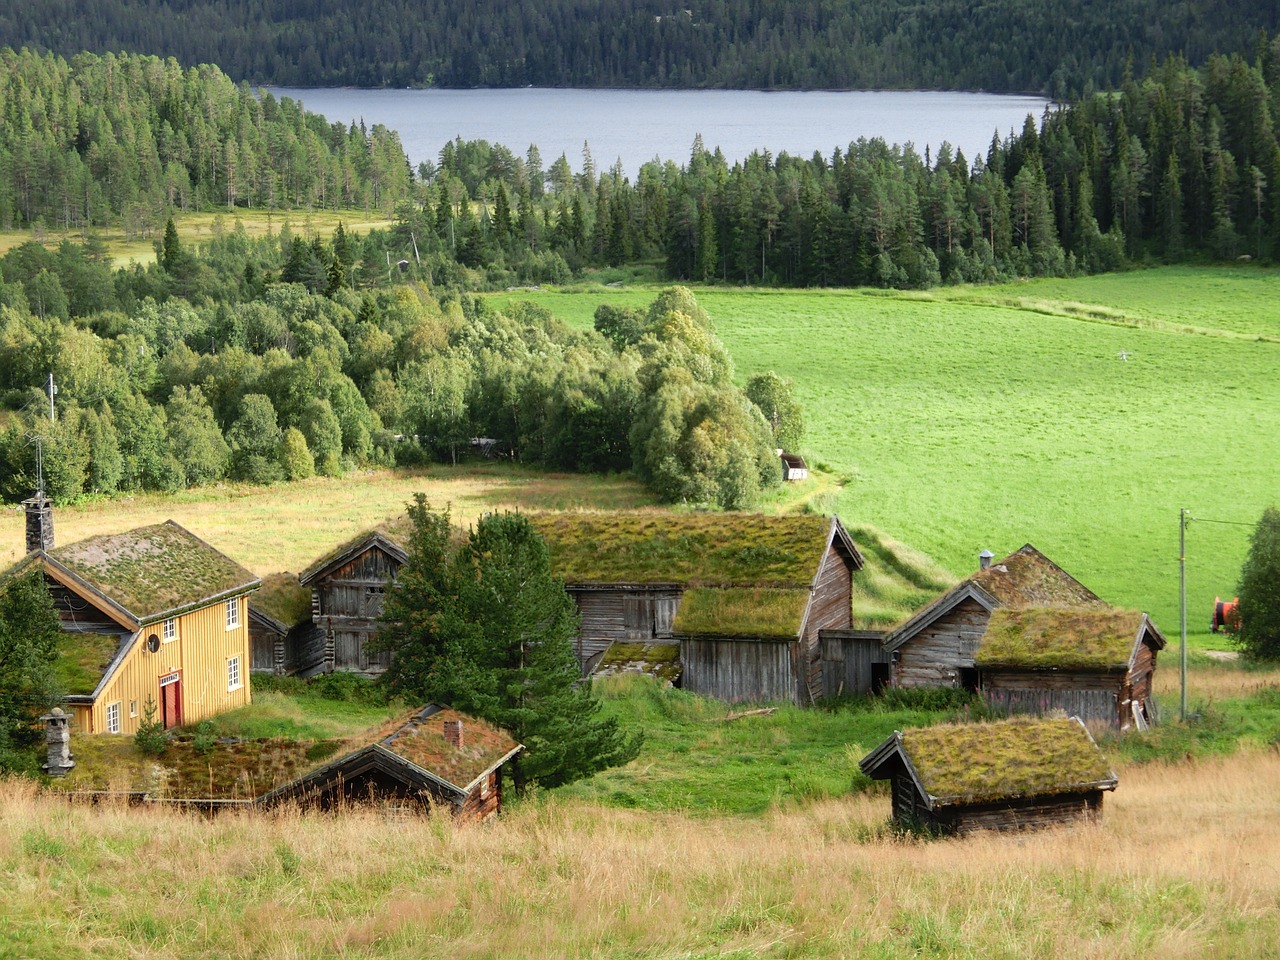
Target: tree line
[[1010, 45], [256, 360], [126, 139]]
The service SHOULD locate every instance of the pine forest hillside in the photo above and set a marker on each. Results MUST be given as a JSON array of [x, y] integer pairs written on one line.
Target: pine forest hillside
[[1011, 45]]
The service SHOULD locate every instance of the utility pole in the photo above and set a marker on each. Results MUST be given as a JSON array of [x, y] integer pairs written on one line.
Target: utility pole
[[1182, 576], [51, 390]]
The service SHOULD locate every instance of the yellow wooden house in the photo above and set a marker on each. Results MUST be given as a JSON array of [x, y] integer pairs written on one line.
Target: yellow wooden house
[[154, 614]]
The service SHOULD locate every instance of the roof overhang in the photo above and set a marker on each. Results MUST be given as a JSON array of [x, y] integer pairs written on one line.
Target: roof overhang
[[327, 563], [968, 590]]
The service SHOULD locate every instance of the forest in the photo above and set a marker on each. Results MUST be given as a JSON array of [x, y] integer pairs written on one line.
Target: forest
[[271, 358], [1058, 48]]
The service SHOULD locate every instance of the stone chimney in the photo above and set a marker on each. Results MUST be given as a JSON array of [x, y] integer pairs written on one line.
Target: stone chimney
[[453, 732], [57, 737], [984, 559], [39, 510]]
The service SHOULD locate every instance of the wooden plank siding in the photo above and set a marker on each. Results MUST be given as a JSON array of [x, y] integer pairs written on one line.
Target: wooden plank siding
[[938, 653], [626, 613], [199, 655], [737, 670], [1029, 813], [345, 605], [853, 661], [830, 607]]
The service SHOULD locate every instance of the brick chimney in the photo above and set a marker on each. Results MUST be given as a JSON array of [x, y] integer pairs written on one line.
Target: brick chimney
[[39, 510], [984, 559], [57, 735], [453, 732]]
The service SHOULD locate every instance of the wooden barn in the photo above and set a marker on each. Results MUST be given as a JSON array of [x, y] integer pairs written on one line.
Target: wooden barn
[[153, 615], [348, 586], [1015, 774], [1095, 664], [281, 632], [432, 755], [935, 647], [745, 596]]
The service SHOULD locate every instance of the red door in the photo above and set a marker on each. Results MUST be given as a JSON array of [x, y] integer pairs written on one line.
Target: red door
[[171, 704]]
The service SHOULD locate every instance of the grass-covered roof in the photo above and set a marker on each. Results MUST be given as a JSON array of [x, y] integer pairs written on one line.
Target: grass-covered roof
[[395, 530], [655, 659], [1027, 578], [248, 769], [82, 660], [155, 570], [765, 612], [976, 762], [695, 549], [283, 598], [1047, 637]]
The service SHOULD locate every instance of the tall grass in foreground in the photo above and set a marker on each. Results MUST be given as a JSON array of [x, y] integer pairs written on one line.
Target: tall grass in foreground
[[1183, 864]]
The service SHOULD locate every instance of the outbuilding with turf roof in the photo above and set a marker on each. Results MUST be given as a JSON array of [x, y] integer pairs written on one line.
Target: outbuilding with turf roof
[[935, 647], [1014, 774], [152, 615], [1095, 664]]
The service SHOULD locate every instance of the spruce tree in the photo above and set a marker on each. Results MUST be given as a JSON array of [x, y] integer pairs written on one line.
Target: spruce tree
[[1259, 590]]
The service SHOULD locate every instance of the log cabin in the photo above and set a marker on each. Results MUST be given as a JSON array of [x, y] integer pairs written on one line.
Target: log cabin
[[348, 586], [1015, 774], [281, 631], [935, 647], [745, 596], [1095, 664], [431, 756], [153, 617]]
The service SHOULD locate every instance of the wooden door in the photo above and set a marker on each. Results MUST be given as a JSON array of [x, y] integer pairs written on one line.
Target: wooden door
[[171, 704]]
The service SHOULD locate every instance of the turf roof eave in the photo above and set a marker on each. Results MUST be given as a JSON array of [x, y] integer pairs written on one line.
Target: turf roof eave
[[764, 613], [1039, 638], [392, 533]]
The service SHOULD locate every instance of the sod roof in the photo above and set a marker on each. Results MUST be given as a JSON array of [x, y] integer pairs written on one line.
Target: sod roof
[[764, 612], [981, 762], [153, 572], [83, 658], [249, 769], [281, 597], [1028, 578], [1051, 637], [656, 659], [395, 531], [694, 549]]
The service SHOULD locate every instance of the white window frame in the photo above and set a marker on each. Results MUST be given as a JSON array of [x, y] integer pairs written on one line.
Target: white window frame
[[133, 708], [113, 717], [233, 613], [169, 632], [235, 678]]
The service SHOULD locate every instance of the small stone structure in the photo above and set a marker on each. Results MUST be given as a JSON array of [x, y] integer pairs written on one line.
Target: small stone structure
[[58, 740]]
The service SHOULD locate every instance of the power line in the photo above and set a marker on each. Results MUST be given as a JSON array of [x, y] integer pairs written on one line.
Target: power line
[[1233, 523]]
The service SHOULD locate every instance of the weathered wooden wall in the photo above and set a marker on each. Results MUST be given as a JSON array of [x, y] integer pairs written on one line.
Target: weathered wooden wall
[[1089, 696], [737, 670], [1031, 813], [830, 608], [936, 655], [627, 613], [484, 800], [345, 606], [850, 659]]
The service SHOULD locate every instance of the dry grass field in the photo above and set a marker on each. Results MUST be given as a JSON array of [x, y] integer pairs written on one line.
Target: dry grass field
[[1184, 864]]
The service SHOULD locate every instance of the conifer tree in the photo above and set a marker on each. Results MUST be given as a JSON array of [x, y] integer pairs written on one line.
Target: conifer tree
[[1259, 590]]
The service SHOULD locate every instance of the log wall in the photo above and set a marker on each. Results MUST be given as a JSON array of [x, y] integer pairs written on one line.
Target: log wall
[[1032, 813], [345, 606], [936, 655]]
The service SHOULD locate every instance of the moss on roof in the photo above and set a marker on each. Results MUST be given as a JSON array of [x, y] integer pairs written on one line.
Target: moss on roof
[[696, 549], [765, 612], [976, 762], [421, 741], [82, 660], [231, 770], [283, 598], [1027, 578], [1053, 637], [154, 570], [661, 660]]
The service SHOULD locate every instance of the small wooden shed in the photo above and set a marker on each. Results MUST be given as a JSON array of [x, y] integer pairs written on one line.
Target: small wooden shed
[[432, 755], [348, 587], [1096, 664], [935, 647], [1014, 774], [793, 467]]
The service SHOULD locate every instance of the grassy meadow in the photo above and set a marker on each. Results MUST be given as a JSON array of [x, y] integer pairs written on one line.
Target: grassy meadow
[[1078, 415], [196, 228]]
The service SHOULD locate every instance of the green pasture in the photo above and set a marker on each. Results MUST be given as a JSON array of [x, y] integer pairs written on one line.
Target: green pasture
[[966, 419]]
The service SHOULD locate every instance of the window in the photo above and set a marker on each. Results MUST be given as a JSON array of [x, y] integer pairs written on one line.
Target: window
[[170, 630], [113, 717], [233, 673], [133, 708], [233, 613]]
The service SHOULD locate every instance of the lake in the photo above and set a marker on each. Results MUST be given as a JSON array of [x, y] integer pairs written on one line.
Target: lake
[[636, 126]]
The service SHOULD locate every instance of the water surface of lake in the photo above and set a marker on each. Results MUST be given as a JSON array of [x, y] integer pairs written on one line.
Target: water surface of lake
[[635, 126]]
